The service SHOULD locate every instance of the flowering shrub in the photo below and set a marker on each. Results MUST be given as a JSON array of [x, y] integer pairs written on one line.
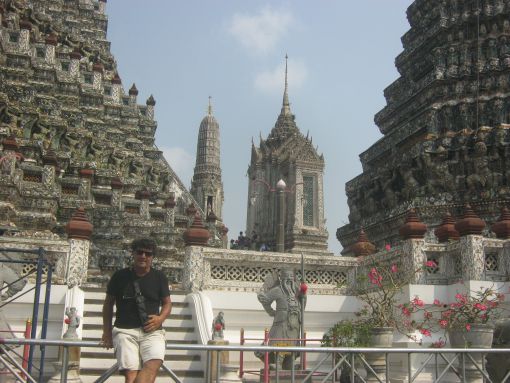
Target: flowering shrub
[[382, 284], [480, 307]]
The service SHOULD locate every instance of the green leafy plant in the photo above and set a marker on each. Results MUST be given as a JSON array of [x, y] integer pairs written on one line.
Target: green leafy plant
[[348, 333]]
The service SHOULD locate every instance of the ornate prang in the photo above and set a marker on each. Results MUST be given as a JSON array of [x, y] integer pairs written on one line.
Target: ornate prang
[[446, 231], [151, 101], [502, 227], [133, 91], [413, 228], [196, 235], [116, 79], [79, 227], [470, 223], [363, 246]]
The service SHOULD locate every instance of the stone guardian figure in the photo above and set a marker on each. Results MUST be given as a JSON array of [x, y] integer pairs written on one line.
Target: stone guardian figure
[[285, 330]]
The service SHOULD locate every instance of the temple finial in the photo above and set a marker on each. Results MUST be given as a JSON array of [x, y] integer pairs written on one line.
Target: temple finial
[[209, 108], [286, 105]]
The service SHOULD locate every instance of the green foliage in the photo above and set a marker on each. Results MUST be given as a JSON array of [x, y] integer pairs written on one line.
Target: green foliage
[[348, 333]]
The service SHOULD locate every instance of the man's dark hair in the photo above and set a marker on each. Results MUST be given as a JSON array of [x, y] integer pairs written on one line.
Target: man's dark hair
[[144, 243]]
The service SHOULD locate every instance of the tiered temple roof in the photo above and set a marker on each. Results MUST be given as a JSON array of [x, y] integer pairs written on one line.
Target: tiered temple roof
[[446, 138], [73, 137]]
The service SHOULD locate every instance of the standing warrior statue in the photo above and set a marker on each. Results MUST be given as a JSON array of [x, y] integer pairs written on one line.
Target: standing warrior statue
[[287, 314]]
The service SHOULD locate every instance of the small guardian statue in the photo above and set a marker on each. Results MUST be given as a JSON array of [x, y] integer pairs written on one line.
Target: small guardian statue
[[218, 326]]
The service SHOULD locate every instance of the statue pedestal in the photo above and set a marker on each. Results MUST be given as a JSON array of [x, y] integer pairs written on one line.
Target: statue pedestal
[[285, 376], [73, 366], [223, 355]]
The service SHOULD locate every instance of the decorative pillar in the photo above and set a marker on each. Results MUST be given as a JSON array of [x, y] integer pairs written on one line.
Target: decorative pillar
[[470, 229], [150, 107], [97, 81], [10, 156], [170, 212], [51, 42], [116, 88], [116, 185], [84, 192], [414, 257], [73, 270], [50, 163], [280, 218], [191, 212], [193, 270], [24, 36], [133, 92], [143, 196], [211, 224], [74, 67], [102, 6]]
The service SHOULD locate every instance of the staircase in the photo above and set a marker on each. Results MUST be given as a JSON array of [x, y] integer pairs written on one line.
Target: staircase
[[187, 365]]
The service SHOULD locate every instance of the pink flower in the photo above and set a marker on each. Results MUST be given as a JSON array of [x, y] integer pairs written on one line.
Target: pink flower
[[394, 268], [443, 323], [430, 264], [387, 247], [418, 302], [460, 298], [480, 306], [406, 311], [375, 277], [425, 332], [437, 302], [468, 327], [439, 343]]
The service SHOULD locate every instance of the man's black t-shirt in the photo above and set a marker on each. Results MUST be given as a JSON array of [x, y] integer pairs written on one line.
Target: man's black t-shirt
[[153, 286]]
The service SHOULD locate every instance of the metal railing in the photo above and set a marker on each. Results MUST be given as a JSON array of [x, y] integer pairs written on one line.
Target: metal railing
[[464, 364], [39, 263]]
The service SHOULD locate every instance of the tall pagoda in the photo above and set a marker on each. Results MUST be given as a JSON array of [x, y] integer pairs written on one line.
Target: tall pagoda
[[72, 136], [287, 162], [445, 134]]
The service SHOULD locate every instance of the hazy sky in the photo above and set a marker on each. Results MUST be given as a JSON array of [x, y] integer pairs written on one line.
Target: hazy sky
[[341, 57]]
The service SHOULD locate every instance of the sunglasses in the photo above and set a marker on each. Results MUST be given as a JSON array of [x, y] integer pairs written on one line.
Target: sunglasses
[[146, 252]]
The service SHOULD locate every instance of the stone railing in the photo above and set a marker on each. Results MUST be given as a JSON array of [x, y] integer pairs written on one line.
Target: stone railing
[[220, 269]]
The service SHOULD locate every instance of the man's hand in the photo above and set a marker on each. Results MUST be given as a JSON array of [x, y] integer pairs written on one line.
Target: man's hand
[[153, 323], [107, 340]]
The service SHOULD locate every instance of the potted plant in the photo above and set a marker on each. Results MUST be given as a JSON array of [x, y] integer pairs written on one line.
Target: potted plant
[[466, 322]]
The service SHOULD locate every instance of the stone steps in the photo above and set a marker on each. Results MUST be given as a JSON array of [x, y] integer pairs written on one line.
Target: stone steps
[[179, 327]]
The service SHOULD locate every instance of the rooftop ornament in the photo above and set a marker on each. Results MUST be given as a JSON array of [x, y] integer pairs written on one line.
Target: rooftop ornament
[[470, 224]]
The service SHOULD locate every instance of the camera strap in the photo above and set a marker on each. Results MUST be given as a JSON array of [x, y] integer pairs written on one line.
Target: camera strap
[[140, 302]]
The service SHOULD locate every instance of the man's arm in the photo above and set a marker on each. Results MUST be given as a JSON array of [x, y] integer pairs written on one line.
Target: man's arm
[[107, 338], [156, 321]]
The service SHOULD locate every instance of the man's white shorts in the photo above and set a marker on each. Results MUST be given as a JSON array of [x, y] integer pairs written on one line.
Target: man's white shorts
[[133, 347]]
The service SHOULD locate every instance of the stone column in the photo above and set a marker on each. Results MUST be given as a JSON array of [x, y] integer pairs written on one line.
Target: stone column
[[150, 107], [73, 269], [170, 211], [193, 271], [50, 163], [51, 43], [74, 68], [116, 185], [116, 88], [102, 6], [24, 36], [413, 244], [133, 93], [97, 81], [143, 196], [84, 191], [470, 228]]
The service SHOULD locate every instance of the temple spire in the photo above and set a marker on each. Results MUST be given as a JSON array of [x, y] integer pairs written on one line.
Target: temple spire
[[286, 105], [209, 108]]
